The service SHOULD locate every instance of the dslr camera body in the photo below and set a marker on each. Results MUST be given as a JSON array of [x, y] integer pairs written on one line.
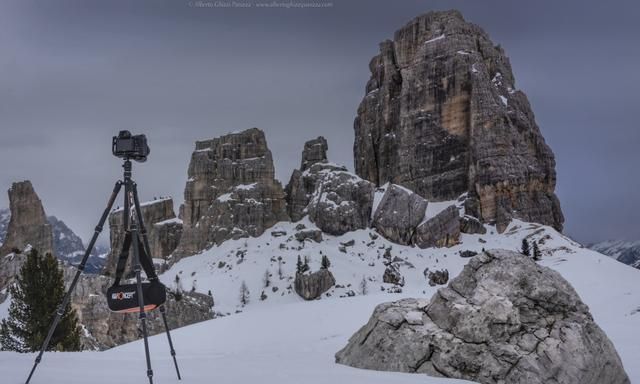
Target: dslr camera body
[[128, 146]]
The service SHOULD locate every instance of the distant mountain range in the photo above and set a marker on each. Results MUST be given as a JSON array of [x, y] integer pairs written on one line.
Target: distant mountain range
[[627, 252], [67, 245]]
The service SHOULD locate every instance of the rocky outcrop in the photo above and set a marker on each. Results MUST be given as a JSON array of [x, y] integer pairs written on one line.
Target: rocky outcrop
[[28, 224], [398, 214], [392, 275], [442, 230], [471, 225], [341, 203], [310, 234], [315, 151], [106, 329], [312, 286], [231, 192], [440, 277], [504, 319], [303, 181], [442, 117], [9, 268], [163, 229]]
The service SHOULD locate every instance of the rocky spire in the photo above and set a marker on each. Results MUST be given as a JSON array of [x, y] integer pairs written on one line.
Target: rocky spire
[[315, 151], [442, 117], [28, 224], [231, 191], [303, 181]]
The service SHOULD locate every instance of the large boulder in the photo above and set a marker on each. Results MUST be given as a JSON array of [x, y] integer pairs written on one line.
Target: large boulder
[[341, 203], [504, 319], [442, 117], [231, 192], [398, 214], [442, 230], [28, 224], [163, 230], [312, 286]]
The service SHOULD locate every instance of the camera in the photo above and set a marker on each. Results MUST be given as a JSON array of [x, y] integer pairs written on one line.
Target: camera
[[128, 146]]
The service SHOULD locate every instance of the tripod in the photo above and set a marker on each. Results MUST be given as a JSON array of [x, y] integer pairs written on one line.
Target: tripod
[[135, 238]]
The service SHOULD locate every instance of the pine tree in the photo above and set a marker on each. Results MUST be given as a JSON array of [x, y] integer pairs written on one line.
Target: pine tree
[[364, 289], [280, 273], [325, 262], [305, 266], [299, 266], [537, 255], [266, 279], [525, 248], [244, 294], [35, 297]]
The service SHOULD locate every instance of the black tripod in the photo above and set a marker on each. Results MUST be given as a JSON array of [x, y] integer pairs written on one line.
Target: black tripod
[[134, 229]]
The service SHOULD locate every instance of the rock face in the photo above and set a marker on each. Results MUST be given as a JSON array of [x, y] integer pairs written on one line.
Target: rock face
[[9, 268], [28, 224], [107, 329], [442, 230], [398, 214], [312, 286], [5, 216], [302, 183], [66, 244], [504, 319], [341, 203], [442, 117], [231, 191], [163, 229], [315, 151]]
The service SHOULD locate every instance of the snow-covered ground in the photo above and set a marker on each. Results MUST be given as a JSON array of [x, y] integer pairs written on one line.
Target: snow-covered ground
[[283, 339]]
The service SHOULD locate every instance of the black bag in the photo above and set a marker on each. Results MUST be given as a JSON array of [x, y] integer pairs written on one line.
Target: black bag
[[124, 298]]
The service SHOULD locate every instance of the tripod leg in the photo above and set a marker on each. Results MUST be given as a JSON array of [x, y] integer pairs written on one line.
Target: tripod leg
[[173, 351], [81, 266], [147, 248], [143, 316]]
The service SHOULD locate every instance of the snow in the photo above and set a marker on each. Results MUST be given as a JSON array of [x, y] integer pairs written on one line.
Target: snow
[[504, 100], [245, 187], [145, 203], [433, 208], [435, 39], [224, 197], [377, 198], [289, 344], [284, 339], [462, 53]]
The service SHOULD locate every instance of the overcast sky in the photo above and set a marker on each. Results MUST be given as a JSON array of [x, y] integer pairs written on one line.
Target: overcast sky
[[74, 73]]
